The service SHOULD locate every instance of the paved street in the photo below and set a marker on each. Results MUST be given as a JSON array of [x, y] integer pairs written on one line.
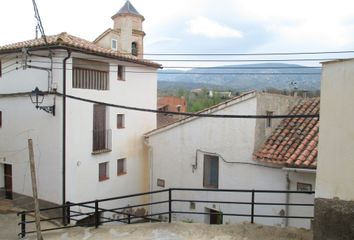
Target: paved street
[[160, 231]]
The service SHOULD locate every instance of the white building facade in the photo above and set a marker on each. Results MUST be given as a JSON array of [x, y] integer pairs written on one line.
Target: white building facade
[[87, 150], [334, 203], [215, 153]]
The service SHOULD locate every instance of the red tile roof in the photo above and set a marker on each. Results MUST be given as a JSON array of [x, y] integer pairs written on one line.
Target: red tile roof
[[166, 119], [171, 103], [294, 142], [65, 40]]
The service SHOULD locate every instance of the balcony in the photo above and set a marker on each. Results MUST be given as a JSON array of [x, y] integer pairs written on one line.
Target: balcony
[[101, 141]]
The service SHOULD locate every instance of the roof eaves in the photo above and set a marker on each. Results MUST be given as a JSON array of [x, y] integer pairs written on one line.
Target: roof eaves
[[209, 110]]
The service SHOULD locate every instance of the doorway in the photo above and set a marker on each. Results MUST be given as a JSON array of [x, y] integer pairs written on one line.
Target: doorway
[[215, 217]]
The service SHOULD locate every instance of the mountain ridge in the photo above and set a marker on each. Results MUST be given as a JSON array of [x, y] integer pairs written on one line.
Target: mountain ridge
[[243, 77]]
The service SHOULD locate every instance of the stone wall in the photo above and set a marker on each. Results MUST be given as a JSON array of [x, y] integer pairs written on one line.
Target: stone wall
[[334, 219]]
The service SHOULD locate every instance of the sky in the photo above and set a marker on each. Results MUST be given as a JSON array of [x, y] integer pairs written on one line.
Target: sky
[[196, 26]]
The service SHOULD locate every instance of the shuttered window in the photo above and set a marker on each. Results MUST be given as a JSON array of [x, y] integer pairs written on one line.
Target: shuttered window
[[120, 121], [90, 74], [211, 171], [103, 171]]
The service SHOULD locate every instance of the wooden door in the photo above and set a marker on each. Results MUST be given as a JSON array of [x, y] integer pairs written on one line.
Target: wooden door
[[99, 127], [8, 181]]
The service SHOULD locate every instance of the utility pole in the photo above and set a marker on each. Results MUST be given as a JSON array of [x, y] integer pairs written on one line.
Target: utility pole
[[34, 190]]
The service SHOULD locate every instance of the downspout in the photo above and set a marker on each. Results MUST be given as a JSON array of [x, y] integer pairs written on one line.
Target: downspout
[[287, 199], [150, 159], [64, 131]]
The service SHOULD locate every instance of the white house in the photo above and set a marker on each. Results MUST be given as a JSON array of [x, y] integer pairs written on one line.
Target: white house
[[218, 153], [84, 151], [334, 203], [294, 145]]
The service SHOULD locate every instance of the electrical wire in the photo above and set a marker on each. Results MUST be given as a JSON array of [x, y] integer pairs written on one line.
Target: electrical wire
[[188, 114], [243, 60], [195, 166], [218, 67], [249, 54]]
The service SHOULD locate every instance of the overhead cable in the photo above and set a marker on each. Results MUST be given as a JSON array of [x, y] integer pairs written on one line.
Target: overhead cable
[[188, 114]]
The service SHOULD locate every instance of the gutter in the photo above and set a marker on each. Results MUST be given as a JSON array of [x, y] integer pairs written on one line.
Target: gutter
[[64, 134], [300, 170]]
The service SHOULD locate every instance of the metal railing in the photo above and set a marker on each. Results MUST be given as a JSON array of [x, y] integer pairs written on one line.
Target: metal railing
[[95, 216], [101, 140]]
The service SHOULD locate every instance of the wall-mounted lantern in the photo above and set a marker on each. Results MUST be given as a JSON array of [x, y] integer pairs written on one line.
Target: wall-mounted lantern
[[37, 97]]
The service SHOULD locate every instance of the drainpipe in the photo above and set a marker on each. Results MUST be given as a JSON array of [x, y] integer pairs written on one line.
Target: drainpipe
[[287, 199], [150, 159], [64, 131]]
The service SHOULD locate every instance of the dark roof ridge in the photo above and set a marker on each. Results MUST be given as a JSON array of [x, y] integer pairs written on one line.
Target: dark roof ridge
[[128, 8]]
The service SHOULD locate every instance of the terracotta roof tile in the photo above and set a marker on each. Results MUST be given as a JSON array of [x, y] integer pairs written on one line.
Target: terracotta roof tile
[[294, 142], [69, 41]]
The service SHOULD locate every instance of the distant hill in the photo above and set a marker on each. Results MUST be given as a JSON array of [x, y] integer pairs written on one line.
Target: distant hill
[[242, 77]]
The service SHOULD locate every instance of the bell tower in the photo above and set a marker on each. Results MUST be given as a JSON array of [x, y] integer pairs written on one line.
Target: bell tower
[[128, 23]]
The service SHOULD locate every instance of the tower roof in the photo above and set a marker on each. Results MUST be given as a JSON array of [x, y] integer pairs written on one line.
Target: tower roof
[[128, 8]]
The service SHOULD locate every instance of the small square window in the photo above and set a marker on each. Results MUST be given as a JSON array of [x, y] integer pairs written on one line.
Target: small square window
[[103, 171], [114, 44], [269, 119], [121, 166], [304, 187], [160, 182], [120, 121]]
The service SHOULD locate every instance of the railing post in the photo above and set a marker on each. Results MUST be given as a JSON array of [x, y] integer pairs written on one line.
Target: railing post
[[169, 205], [128, 218], [97, 218], [252, 207], [23, 224], [67, 214]]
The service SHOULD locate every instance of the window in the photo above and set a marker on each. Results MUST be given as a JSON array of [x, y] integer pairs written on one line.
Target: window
[[120, 121], [121, 166], [304, 187], [0, 119], [120, 73], [134, 49], [269, 120], [114, 44], [103, 171], [160, 182], [90, 74], [211, 171]]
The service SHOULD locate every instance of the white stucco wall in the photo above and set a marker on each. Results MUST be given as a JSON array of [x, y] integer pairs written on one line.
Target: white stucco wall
[[138, 90], [307, 178], [173, 152], [22, 121], [335, 176]]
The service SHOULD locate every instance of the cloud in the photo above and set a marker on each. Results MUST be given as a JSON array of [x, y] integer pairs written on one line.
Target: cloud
[[212, 29]]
